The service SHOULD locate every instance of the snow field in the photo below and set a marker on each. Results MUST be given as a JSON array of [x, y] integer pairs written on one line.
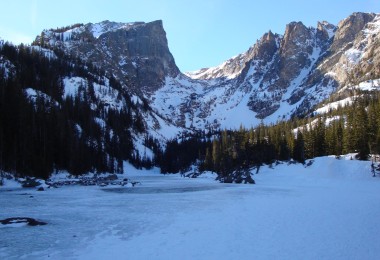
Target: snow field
[[328, 210]]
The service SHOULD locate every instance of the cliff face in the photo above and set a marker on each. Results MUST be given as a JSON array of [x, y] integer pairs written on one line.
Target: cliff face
[[135, 53]]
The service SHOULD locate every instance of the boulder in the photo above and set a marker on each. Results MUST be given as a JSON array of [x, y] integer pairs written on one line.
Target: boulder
[[28, 221], [30, 183]]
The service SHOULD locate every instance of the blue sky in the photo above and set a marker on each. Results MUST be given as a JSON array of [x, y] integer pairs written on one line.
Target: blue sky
[[201, 33]]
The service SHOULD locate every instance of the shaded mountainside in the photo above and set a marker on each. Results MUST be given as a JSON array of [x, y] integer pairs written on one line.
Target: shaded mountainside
[[60, 114]]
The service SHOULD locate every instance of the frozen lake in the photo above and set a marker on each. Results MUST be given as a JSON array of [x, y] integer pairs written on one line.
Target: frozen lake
[[328, 211]]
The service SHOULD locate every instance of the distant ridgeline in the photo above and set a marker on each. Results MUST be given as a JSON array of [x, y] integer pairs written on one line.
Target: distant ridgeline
[[87, 97]]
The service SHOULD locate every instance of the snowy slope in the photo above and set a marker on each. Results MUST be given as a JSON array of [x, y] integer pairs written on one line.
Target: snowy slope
[[325, 211], [200, 105], [104, 94], [370, 85], [229, 69]]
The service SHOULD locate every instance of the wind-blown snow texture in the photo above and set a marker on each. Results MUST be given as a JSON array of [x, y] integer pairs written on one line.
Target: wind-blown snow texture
[[326, 211]]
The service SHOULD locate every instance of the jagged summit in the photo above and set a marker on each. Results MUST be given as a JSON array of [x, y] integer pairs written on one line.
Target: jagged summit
[[234, 66]]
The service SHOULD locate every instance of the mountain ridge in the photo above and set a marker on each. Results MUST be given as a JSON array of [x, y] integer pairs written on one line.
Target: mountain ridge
[[276, 78]]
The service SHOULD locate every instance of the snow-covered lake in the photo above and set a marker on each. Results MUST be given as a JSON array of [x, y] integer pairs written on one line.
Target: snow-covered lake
[[330, 210]]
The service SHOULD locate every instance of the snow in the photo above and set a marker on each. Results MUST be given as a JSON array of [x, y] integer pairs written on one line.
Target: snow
[[373, 27], [369, 85], [72, 85], [216, 102], [44, 52], [328, 210], [360, 49], [6, 65], [353, 56], [68, 34], [109, 97], [221, 71], [100, 122], [334, 105], [165, 131], [98, 29], [33, 94], [144, 152], [10, 184], [331, 32]]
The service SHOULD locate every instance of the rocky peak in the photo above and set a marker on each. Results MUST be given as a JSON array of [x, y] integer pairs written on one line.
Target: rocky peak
[[266, 47], [260, 54], [326, 28], [295, 49], [136, 53], [296, 37], [349, 28], [325, 32]]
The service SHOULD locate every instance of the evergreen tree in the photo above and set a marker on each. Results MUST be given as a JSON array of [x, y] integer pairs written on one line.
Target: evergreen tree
[[299, 148]]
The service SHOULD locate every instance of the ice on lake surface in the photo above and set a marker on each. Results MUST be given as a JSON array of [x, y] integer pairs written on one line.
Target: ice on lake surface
[[327, 211]]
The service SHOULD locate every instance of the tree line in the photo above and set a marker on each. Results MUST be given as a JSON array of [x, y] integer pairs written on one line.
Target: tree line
[[353, 128]]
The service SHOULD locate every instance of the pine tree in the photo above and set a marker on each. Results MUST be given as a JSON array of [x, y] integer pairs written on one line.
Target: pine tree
[[360, 132], [299, 148]]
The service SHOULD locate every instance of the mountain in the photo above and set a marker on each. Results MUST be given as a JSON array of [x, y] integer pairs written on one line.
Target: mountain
[[59, 113], [115, 89], [278, 77], [136, 54]]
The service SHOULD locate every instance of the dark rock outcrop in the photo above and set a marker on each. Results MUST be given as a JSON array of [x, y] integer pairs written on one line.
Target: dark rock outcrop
[[17, 220], [30, 183], [237, 176]]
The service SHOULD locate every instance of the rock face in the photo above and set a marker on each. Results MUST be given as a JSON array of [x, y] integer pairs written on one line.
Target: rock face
[[278, 77], [292, 56], [137, 54], [349, 28]]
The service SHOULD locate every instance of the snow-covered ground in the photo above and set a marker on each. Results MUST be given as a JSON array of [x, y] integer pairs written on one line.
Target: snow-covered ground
[[329, 210]]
